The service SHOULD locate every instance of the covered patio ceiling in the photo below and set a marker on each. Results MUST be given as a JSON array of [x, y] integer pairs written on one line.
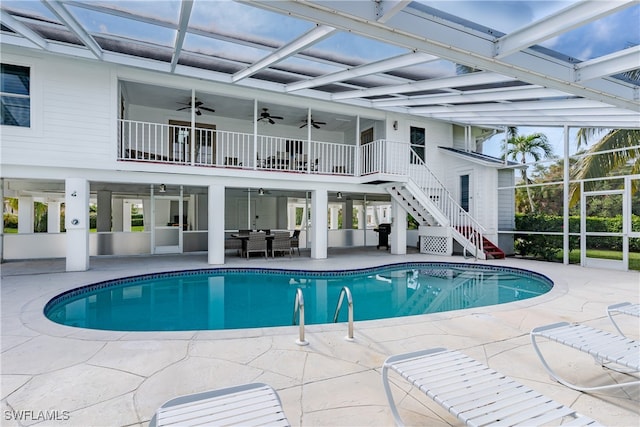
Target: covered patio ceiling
[[433, 59]]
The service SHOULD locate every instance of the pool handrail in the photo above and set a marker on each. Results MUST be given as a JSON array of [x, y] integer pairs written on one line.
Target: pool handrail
[[298, 308], [345, 291]]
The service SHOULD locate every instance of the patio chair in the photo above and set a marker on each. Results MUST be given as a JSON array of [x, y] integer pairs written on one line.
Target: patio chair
[[235, 244], [294, 242], [474, 393], [257, 242], [249, 404], [281, 243], [622, 308], [605, 347]]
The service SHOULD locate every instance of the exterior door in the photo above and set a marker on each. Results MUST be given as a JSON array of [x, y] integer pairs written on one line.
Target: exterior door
[[465, 191], [169, 221], [181, 140], [369, 157], [601, 247]]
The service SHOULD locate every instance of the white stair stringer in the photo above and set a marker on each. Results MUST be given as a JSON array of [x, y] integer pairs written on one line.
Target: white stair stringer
[[424, 195]]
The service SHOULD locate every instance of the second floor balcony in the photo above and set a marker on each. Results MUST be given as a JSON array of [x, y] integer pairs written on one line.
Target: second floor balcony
[[208, 147]]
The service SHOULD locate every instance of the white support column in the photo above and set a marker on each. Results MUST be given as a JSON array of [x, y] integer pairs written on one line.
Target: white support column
[[53, 216], [77, 223], [126, 216], [192, 208], [333, 219], [216, 224], [146, 213], [103, 220], [347, 215], [25, 214], [565, 196], [291, 224], [398, 237], [117, 211], [282, 222], [319, 205], [362, 217]]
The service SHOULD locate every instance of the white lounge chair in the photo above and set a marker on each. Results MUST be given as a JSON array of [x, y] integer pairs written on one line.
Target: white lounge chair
[[253, 404], [622, 308], [605, 347], [475, 393]]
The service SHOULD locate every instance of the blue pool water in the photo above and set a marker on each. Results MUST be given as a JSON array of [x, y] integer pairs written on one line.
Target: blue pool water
[[248, 298]]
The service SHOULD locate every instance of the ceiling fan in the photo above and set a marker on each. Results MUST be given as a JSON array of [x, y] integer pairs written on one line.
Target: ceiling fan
[[315, 124], [265, 115], [198, 106]]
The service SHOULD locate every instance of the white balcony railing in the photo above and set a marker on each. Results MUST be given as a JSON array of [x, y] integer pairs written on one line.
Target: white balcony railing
[[163, 143]]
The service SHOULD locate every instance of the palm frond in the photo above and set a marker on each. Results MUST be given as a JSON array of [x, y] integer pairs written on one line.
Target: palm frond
[[625, 141]]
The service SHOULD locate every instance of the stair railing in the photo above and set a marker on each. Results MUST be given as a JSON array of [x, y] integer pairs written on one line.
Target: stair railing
[[298, 310], [459, 219], [345, 292]]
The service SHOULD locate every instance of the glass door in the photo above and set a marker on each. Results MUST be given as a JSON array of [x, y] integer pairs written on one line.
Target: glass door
[[602, 243], [168, 223]]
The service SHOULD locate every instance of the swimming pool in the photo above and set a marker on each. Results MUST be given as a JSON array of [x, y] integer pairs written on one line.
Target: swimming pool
[[234, 298]]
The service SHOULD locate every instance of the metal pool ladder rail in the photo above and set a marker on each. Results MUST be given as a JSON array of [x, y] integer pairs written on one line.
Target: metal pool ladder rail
[[345, 291], [298, 308]]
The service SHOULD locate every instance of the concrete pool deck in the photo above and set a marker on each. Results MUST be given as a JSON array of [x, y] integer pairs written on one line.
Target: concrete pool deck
[[102, 378]]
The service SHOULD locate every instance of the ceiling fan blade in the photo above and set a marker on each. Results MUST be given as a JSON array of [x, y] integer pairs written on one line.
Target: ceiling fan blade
[[303, 125], [199, 103], [208, 109], [271, 121], [320, 123], [277, 117], [316, 126], [183, 108]]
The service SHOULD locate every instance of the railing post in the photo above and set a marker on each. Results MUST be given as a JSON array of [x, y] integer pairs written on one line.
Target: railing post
[[345, 291], [298, 308]]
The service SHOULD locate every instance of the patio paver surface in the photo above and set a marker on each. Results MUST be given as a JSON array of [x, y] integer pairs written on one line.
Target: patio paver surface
[[103, 378]]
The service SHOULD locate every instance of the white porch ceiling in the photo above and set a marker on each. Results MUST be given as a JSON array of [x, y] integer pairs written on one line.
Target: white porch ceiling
[[405, 56]]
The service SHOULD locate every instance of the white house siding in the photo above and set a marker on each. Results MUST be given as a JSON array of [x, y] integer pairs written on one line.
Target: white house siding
[[506, 210], [75, 106], [439, 134], [72, 119], [483, 184]]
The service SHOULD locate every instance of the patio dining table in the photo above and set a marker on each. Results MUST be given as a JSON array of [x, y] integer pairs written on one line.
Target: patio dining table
[[245, 237]]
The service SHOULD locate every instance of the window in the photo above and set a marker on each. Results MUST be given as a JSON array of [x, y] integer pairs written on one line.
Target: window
[[464, 192], [417, 139], [15, 96]]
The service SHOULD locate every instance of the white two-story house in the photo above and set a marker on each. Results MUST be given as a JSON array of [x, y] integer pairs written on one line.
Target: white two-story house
[[205, 142]]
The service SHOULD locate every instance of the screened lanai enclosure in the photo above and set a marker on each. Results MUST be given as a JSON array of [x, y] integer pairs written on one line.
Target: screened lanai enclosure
[[562, 68]]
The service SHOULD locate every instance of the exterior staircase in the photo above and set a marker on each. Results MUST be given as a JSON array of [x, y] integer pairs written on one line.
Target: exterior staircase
[[430, 203]]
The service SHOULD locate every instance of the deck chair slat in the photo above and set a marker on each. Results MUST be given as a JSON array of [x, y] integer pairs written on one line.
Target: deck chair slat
[[496, 402], [602, 345], [474, 385], [528, 414], [481, 397], [221, 406], [485, 395], [249, 404]]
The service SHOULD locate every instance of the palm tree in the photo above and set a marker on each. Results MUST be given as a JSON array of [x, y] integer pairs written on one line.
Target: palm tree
[[600, 165], [521, 147], [621, 147]]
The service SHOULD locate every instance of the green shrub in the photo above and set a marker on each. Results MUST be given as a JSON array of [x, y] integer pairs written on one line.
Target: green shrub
[[10, 220], [547, 247]]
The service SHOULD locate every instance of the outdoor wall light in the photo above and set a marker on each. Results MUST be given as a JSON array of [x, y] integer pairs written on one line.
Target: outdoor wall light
[[163, 188], [74, 194], [395, 125], [75, 221], [261, 192], [339, 195]]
